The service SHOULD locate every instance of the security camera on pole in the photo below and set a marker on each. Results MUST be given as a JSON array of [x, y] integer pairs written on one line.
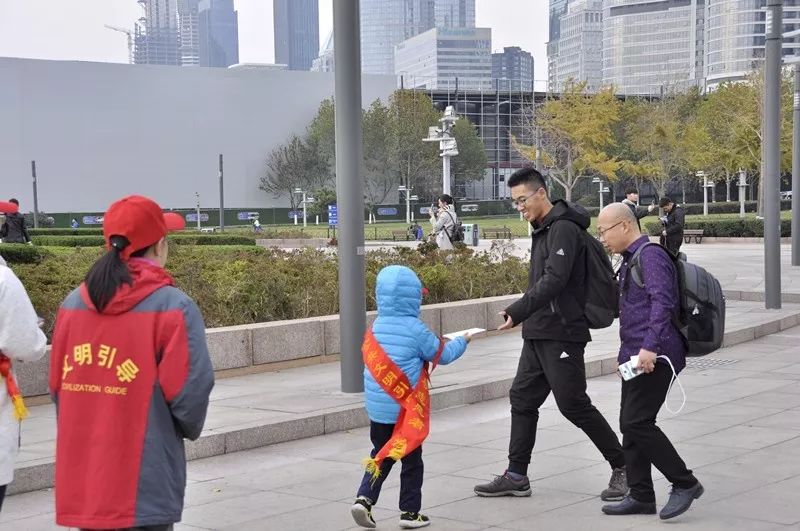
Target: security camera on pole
[[306, 201], [447, 143], [602, 189], [706, 186], [407, 191]]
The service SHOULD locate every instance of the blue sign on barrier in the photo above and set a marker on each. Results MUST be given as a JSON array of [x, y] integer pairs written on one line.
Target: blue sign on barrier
[[92, 220], [192, 218], [333, 215], [247, 216], [387, 211], [298, 213]]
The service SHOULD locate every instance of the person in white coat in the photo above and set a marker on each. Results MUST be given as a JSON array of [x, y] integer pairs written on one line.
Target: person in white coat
[[21, 340], [444, 222]]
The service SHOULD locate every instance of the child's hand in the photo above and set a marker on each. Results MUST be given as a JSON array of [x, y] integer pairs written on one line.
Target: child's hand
[[467, 337]]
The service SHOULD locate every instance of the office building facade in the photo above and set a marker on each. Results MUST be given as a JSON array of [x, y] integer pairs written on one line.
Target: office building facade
[[512, 69], [296, 24], [446, 57]]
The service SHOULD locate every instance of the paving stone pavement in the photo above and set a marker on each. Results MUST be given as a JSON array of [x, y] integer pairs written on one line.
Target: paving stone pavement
[[739, 432]]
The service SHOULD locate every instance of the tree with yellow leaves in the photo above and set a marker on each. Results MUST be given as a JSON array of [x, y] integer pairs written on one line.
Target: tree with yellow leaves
[[576, 130]]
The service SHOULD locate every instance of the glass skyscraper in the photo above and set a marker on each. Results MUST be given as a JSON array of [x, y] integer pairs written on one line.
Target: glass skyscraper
[[218, 24], [577, 53], [296, 24], [735, 31], [653, 47]]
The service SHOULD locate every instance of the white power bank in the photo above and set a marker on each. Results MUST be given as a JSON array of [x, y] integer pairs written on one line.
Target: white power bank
[[471, 331]]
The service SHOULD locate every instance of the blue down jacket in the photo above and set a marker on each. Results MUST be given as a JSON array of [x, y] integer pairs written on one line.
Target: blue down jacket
[[404, 337]]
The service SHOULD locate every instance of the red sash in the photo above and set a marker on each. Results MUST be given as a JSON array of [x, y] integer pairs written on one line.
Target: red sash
[[20, 412], [413, 424]]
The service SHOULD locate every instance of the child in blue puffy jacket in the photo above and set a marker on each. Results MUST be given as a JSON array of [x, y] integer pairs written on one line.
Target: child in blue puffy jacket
[[408, 343]]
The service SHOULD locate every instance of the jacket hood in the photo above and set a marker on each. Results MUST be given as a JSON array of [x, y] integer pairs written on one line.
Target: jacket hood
[[147, 278], [569, 211], [398, 292]]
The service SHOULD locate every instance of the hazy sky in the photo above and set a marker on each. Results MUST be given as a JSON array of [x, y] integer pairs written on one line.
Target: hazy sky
[[74, 29]]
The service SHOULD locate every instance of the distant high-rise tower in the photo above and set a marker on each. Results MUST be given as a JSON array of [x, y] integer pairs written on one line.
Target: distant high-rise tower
[[557, 9], [296, 24], [387, 23], [512, 69], [578, 54], [218, 24], [654, 47], [455, 13], [189, 34], [157, 34]]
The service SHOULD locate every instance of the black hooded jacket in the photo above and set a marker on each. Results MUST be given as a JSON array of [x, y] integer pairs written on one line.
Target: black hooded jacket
[[14, 229], [553, 306]]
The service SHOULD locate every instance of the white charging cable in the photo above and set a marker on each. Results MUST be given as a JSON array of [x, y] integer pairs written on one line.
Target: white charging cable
[[672, 381]]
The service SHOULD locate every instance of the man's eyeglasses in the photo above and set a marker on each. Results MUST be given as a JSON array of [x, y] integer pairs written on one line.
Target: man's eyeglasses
[[520, 201], [602, 232]]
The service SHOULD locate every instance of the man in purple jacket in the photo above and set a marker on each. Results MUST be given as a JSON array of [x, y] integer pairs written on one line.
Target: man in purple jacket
[[646, 329]]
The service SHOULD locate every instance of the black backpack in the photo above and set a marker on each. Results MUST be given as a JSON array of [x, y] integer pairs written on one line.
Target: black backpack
[[701, 317], [458, 231], [602, 289]]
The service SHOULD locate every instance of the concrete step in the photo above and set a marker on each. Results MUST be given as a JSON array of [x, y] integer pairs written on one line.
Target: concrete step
[[261, 409]]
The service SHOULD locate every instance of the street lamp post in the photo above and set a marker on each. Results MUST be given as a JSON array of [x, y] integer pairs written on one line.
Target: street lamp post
[[771, 153], [306, 201], [407, 192], [448, 146], [413, 198], [706, 185], [602, 188], [742, 190], [197, 195]]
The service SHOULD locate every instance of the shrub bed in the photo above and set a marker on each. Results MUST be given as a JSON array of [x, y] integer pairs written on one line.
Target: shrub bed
[[18, 253], [179, 238], [728, 228], [240, 285]]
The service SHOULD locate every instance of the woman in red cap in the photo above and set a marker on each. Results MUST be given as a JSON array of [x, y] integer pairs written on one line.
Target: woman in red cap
[[130, 376]]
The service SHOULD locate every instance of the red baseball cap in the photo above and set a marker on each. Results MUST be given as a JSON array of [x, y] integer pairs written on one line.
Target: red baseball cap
[[7, 207], [141, 221]]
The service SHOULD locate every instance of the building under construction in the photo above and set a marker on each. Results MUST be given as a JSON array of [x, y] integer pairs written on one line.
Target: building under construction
[[156, 34]]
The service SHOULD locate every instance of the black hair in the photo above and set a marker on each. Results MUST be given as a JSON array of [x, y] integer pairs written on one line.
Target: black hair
[[445, 198], [528, 176], [13, 200], [109, 272], [664, 201], [631, 190]]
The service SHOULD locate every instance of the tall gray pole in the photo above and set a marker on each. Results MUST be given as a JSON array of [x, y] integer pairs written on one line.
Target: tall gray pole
[[221, 197], [352, 294], [35, 196], [772, 155], [796, 170]]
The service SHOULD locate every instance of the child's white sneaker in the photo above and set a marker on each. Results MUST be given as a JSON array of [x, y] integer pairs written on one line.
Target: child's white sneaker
[[414, 520], [362, 512]]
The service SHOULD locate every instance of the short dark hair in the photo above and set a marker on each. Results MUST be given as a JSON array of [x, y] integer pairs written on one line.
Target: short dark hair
[[12, 200], [631, 190], [446, 198], [528, 176], [664, 201]]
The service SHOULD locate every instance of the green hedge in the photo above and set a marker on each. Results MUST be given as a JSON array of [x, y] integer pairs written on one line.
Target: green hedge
[[68, 241], [65, 232], [240, 285], [210, 239], [728, 228], [18, 253], [180, 239]]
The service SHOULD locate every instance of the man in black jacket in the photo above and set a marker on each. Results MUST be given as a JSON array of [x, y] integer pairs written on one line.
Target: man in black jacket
[[14, 229], [632, 200], [672, 235], [554, 333]]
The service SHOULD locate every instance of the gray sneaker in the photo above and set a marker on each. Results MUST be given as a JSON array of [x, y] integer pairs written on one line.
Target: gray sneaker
[[617, 486], [504, 486]]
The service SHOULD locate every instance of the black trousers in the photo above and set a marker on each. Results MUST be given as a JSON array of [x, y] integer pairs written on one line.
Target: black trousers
[[2, 495], [555, 366], [644, 442], [410, 475]]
